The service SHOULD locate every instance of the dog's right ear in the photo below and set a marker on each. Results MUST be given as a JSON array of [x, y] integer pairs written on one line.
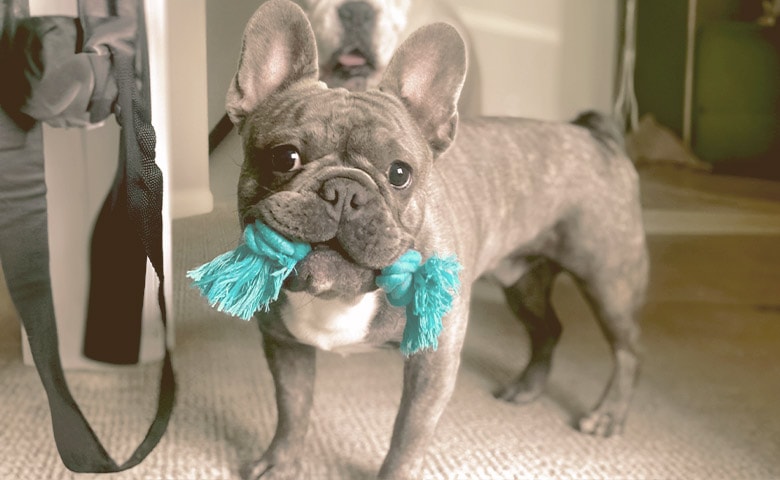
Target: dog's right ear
[[427, 73], [278, 50]]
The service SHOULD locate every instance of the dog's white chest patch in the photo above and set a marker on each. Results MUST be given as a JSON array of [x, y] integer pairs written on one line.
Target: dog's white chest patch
[[328, 324]]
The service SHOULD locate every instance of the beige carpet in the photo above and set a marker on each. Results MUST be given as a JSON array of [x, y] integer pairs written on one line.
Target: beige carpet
[[706, 406]]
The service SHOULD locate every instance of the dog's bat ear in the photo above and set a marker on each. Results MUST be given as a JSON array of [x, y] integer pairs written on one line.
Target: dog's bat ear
[[278, 50], [427, 73]]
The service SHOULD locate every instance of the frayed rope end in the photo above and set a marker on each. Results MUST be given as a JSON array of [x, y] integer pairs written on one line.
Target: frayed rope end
[[246, 280]]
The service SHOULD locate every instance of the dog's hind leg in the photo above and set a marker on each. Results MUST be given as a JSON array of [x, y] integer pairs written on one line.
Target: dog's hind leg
[[615, 298], [529, 299]]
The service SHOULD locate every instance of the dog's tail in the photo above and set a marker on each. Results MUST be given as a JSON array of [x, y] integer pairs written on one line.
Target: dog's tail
[[603, 128]]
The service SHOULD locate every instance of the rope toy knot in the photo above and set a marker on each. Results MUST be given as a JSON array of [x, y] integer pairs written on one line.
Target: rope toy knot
[[427, 290], [247, 279]]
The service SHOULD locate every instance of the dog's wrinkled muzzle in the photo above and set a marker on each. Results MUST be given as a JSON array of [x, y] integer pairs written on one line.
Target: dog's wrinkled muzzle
[[345, 212], [324, 272]]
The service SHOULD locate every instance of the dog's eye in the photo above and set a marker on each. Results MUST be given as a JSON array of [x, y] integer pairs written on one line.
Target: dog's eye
[[285, 158], [399, 174]]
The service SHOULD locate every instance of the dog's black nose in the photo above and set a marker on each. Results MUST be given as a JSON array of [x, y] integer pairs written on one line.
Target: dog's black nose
[[356, 15], [344, 196]]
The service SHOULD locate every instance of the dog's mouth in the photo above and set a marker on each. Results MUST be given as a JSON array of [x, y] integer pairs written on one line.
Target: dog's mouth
[[349, 68], [327, 272]]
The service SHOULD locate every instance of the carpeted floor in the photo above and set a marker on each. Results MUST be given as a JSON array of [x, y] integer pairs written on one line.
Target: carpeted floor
[[706, 406]]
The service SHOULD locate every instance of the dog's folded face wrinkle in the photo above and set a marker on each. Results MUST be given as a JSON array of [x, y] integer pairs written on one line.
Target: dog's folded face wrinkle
[[337, 206]]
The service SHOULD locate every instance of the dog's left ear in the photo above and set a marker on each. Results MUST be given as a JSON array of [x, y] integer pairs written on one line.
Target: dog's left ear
[[427, 73], [278, 50]]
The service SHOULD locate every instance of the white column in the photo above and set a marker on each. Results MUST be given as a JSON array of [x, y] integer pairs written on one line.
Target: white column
[[80, 166]]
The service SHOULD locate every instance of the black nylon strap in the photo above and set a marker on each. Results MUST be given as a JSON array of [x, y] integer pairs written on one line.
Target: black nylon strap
[[114, 320], [132, 219], [134, 207], [140, 182], [113, 28], [26, 266], [144, 186]]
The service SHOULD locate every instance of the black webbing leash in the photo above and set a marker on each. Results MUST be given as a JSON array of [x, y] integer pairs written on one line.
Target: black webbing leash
[[143, 185], [127, 232]]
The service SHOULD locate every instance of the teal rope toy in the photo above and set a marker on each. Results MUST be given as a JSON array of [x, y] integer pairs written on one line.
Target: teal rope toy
[[426, 290], [246, 280]]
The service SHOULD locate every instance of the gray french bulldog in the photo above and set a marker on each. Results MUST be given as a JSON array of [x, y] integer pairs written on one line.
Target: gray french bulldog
[[365, 176]]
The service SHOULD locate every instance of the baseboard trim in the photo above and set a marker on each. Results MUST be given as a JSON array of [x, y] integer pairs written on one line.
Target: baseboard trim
[[219, 132], [670, 222], [186, 203]]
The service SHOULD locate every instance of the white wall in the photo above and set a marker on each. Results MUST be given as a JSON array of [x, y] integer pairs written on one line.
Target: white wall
[[589, 56], [547, 59], [225, 22], [182, 43]]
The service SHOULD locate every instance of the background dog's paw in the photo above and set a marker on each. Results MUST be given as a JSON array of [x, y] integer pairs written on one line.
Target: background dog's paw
[[264, 469], [518, 393], [527, 387], [601, 424]]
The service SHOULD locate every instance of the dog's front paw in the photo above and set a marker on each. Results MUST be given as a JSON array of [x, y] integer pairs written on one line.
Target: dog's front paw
[[601, 424], [265, 469]]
